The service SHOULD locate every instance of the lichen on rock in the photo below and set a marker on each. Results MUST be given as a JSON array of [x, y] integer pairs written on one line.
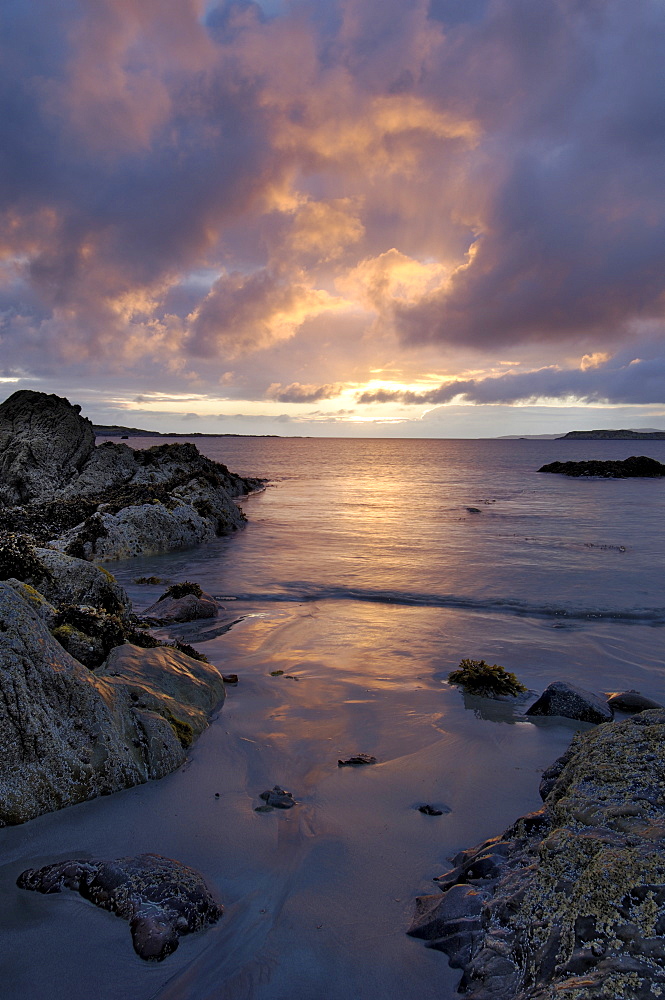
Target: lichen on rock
[[574, 895]]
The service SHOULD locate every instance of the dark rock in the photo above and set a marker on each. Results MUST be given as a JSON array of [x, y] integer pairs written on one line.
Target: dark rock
[[44, 443], [635, 466], [631, 701], [109, 502], [277, 798], [230, 678], [67, 735], [570, 901], [182, 609], [474, 510], [429, 810], [571, 702], [162, 899], [358, 760]]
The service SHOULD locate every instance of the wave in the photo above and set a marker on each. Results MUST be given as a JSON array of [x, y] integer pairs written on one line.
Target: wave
[[302, 592]]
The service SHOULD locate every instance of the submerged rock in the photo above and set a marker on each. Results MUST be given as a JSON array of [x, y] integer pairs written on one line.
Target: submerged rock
[[162, 899], [570, 900], [358, 760], [571, 702]]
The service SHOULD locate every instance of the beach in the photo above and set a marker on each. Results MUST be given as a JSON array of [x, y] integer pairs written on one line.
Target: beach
[[343, 648]]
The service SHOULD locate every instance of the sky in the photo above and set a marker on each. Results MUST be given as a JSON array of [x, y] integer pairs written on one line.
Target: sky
[[433, 218]]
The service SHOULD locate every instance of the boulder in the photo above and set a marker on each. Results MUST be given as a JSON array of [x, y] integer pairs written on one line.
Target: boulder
[[77, 581], [631, 701], [570, 900], [161, 898], [165, 680], [69, 734], [44, 443], [571, 702], [187, 608], [66, 736]]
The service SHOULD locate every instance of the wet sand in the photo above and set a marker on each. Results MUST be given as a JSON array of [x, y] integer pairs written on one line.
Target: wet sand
[[317, 897]]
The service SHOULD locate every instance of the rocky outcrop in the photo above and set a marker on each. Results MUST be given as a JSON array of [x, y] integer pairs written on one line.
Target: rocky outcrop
[[570, 901], [638, 466], [69, 734], [161, 898], [109, 502], [44, 444]]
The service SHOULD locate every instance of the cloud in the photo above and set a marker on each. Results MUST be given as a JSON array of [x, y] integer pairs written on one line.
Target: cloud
[[620, 380], [244, 313], [297, 393], [295, 187]]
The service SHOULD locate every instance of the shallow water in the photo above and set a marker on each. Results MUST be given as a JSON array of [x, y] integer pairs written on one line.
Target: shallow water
[[364, 577]]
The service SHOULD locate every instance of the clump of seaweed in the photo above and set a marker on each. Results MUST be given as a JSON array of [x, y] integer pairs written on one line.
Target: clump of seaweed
[[479, 678], [73, 624], [181, 590], [18, 560]]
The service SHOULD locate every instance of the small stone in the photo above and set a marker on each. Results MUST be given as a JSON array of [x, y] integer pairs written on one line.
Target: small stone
[[276, 673], [277, 798], [474, 510], [230, 678], [428, 810], [358, 760]]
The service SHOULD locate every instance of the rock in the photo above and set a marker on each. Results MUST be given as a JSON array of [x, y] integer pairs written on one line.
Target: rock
[[69, 734], [182, 609], [358, 760], [162, 899], [277, 798], [429, 810], [77, 581], [570, 900], [635, 466], [230, 678], [166, 681], [66, 735], [44, 443], [631, 701], [571, 702], [109, 502], [152, 528]]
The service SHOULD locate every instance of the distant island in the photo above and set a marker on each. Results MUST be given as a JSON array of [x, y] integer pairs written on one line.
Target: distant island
[[609, 435], [115, 430]]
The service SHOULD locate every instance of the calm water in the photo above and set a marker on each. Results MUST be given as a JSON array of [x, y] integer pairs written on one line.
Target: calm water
[[364, 577], [388, 521]]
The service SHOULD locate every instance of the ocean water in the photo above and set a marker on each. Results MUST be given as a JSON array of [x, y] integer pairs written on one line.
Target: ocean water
[[367, 570]]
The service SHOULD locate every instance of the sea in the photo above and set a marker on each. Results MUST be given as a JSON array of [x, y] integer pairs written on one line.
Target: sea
[[368, 569]]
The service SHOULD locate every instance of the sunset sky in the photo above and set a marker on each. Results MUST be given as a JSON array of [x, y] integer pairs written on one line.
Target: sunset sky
[[339, 217]]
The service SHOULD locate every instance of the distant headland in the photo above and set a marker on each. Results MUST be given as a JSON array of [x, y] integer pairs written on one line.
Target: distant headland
[[610, 435], [115, 430]]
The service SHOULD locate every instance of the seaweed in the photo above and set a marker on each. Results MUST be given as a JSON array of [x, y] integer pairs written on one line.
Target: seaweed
[[479, 678], [177, 590]]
